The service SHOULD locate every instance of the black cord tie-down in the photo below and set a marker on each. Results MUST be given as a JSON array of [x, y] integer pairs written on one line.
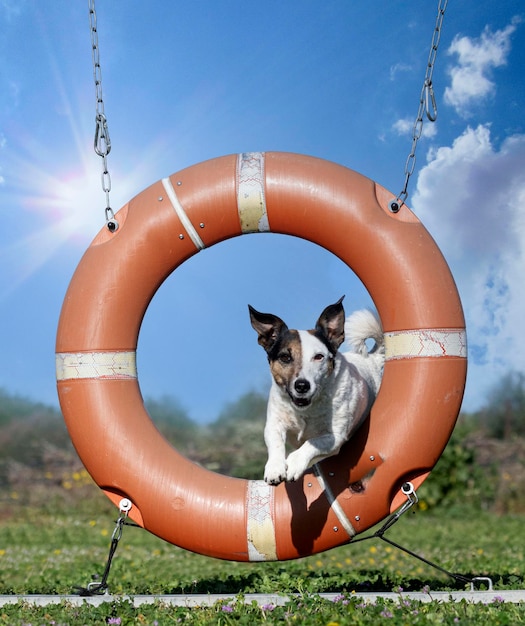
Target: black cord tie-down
[[412, 499]]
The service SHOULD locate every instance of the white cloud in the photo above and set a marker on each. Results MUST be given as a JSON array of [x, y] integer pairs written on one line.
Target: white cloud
[[471, 77], [399, 68], [471, 197], [405, 126]]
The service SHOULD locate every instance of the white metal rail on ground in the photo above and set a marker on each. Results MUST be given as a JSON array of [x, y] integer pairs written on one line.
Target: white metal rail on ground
[[205, 600]]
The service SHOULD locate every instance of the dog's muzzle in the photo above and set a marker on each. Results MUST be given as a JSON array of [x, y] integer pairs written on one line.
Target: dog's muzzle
[[301, 388]]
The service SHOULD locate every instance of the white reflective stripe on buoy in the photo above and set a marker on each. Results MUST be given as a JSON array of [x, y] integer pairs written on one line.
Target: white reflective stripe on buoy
[[251, 200], [76, 365], [409, 344], [260, 524], [181, 213], [334, 504]]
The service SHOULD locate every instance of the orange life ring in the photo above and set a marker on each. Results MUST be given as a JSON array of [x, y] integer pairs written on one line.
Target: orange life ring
[[410, 422]]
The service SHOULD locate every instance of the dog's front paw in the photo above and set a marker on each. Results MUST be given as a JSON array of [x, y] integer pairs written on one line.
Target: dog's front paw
[[275, 472], [295, 466]]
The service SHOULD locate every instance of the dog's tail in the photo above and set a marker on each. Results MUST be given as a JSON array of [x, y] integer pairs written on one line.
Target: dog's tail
[[361, 326]]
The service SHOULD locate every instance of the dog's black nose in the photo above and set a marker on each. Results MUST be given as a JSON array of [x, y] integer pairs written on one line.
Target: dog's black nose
[[302, 385]]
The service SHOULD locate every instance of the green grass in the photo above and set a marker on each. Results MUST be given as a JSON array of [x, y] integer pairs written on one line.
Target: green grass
[[301, 611], [63, 543]]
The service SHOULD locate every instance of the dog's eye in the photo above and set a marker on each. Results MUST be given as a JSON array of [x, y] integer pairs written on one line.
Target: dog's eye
[[285, 357], [318, 357]]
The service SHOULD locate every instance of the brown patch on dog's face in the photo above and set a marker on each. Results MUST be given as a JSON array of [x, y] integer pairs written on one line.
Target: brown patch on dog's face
[[286, 359]]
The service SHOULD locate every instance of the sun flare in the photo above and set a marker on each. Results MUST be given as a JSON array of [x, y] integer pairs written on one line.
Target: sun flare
[[64, 207]]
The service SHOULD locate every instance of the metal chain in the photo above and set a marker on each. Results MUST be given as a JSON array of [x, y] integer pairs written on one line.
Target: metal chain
[[102, 141], [427, 104]]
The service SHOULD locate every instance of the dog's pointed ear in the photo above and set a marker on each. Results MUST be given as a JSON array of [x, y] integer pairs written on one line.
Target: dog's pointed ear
[[331, 325], [267, 326]]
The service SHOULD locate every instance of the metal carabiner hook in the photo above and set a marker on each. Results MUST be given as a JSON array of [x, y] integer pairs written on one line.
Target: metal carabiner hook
[[101, 142], [430, 98]]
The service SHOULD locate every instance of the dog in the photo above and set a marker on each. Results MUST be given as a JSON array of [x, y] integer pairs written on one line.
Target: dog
[[318, 397]]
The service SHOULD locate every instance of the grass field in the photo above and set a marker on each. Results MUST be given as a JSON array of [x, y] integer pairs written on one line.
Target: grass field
[[63, 543]]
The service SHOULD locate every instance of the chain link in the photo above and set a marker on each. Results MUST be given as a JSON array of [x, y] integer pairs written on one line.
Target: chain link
[[427, 105], [102, 141]]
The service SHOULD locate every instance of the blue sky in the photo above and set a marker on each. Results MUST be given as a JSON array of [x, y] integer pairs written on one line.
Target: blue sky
[[187, 81]]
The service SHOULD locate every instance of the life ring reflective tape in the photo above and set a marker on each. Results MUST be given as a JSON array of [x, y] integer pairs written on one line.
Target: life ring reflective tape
[[425, 343], [96, 365], [410, 422]]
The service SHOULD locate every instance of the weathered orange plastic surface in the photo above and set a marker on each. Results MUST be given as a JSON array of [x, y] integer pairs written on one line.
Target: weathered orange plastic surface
[[411, 420]]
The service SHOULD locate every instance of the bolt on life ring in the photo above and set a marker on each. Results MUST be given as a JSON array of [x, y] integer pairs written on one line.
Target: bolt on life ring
[[410, 422]]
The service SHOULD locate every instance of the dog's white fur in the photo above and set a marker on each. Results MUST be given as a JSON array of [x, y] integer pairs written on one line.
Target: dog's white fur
[[319, 396]]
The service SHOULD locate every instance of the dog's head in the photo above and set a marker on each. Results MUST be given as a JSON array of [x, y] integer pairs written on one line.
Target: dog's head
[[301, 361]]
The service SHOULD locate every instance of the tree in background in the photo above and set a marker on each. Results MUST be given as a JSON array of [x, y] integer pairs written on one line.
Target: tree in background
[[236, 444], [503, 417]]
